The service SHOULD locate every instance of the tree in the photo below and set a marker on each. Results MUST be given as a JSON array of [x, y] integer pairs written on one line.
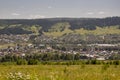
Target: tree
[[77, 56]]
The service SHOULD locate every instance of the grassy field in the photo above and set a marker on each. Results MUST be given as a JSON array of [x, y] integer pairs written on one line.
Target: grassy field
[[59, 72], [97, 31]]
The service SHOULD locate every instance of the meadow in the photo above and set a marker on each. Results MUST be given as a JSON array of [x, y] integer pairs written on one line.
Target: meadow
[[82, 31], [60, 72]]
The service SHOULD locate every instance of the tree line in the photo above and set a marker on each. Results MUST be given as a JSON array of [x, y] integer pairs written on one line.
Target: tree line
[[56, 59]]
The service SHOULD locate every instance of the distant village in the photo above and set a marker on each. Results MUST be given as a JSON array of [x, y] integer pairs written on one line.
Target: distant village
[[22, 45]]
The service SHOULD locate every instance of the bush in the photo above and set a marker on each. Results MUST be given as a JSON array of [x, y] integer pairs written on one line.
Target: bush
[[33, 62], [93, 62], [116, 62], [21, 62], [87, 62]]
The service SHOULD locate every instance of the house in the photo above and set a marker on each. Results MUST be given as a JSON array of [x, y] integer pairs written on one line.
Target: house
[[100, 58]]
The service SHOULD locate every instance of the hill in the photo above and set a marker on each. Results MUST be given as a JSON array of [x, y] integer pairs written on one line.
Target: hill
[[59, 26]]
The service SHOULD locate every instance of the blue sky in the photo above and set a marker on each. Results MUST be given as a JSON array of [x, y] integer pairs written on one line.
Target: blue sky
[[31, 9]]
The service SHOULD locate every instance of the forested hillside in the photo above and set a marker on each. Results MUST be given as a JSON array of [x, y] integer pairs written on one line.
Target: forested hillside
[[28, 26]]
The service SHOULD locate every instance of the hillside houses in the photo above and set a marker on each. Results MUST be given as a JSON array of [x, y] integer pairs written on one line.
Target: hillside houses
[[31, 44], [13, 38]]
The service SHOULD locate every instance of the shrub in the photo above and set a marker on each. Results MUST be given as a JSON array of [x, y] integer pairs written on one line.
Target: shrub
[[93, 62], [33, 62], [87, 62], [116, 62], [21, 62]]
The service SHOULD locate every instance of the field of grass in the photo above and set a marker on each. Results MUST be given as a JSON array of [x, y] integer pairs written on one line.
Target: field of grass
[[6, 45], [59, 72], [82, 31], [99, 31], [2, 46], [59, 29]]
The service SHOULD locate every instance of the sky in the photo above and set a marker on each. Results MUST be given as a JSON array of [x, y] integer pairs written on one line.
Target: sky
[[34, 9]]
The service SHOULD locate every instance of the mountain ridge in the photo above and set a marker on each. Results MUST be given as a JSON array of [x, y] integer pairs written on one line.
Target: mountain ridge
[[46, 24]]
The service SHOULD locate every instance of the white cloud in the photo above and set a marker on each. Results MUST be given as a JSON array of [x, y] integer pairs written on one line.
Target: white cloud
[[90, 13], [15, 14], [101, 12], [36, 16]]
